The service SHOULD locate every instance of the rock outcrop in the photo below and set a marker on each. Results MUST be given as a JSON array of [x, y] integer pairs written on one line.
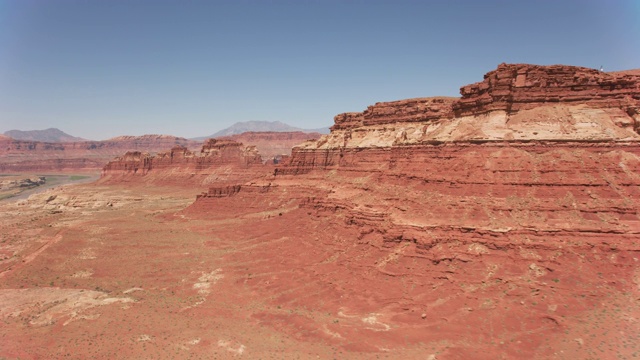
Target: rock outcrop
[[13, 185], [419, 110], [514, 102], [22, 183], [218, 160], [222, 191], [515, 87]]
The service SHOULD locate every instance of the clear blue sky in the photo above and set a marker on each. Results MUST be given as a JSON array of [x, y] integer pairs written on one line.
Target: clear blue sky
[[103, 68]]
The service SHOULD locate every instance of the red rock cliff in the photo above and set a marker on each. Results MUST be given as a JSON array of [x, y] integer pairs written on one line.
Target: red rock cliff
[[217, 159], [34, 156], [515, 102], [410, 110], [515, 87]]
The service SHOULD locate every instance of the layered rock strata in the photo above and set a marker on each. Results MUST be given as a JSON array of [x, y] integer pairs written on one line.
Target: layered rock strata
[[217, 160], [18, 156], [504, 223], [514, 102], [515, 87]]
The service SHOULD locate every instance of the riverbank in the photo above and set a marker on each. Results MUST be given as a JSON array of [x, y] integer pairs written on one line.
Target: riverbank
[[50, 181]]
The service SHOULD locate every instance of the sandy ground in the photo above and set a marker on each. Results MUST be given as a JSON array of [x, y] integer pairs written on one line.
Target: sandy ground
[[133, 272], [106, 272]]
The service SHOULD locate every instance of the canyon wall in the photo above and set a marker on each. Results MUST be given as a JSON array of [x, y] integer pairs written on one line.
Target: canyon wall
[[217, 161], [515, 87], [514, 102], [19, 156], [540, 133]]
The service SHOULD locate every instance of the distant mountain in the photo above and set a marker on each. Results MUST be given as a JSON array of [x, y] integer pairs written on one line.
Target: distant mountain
[[48, 135], [259, 126]]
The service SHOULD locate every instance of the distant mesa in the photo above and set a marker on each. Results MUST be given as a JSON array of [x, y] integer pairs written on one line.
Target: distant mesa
[[47, 135], [28, 156], [147, 137], [260, 126], [31, 156], [221, 161]]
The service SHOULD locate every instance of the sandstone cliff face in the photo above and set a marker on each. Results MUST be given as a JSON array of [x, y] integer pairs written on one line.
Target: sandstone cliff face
[[514, 102], [218, 160], [418, 110], [515, 87], [510, 216]]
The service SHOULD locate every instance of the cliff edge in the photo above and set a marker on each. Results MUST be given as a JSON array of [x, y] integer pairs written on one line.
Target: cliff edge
[[513, 102]]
